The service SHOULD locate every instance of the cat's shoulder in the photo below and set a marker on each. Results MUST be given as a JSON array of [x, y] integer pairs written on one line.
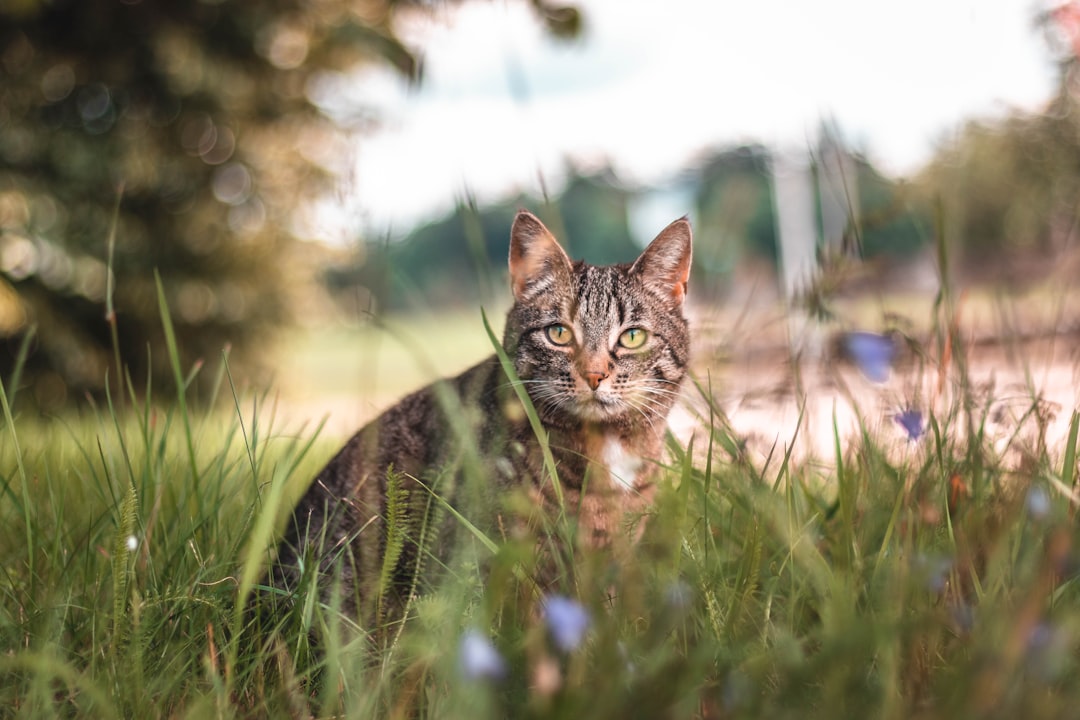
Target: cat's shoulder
[[473, 385]]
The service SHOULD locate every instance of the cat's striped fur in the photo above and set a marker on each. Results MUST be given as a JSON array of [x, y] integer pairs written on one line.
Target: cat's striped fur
[[573, 335]]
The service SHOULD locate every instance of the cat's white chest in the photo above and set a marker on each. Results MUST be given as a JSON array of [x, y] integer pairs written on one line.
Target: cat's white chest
[[623, 465]]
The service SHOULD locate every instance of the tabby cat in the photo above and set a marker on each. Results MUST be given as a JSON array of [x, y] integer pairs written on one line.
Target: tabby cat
[[601, 352]]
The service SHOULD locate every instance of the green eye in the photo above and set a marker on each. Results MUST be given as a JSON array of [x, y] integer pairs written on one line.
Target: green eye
[[633, 338], [559, 334]]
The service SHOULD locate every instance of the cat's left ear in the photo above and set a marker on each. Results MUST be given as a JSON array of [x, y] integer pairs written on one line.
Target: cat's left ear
[[665, 264]]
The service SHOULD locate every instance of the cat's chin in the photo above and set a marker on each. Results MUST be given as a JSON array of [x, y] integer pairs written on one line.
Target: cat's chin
[[598, 408]]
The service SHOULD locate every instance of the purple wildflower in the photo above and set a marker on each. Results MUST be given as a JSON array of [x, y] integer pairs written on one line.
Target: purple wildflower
[[567, 621], [1038, 502], [679, 595], [1048, 651], [912, 422], [872, 353], [479, 658], [963, 618], [934, 570]]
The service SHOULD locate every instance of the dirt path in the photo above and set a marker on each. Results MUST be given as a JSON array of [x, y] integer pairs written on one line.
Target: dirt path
[[1025, 387]]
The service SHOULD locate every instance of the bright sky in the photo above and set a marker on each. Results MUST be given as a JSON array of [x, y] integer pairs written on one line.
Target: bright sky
[[649, 89]]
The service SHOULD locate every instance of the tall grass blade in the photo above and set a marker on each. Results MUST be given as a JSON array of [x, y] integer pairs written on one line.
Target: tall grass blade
[[119, 434], [181, 384], [530, 411], [1068, 463], [249, 445], [259, 539], [846, 495], [474, 238], [20, 362], [723, 434], [24, 481], [110, 288], [476, 532], [789, 447]]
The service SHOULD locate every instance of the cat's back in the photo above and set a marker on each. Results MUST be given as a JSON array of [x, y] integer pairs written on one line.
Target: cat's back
[[420, 431]]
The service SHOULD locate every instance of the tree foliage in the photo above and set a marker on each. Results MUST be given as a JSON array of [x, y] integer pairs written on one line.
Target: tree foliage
[[1008, 188], [894, 219], [735, 210], [190, 131]]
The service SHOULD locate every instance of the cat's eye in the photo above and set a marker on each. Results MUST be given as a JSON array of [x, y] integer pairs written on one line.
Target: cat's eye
[[559, 334], [633, 338]]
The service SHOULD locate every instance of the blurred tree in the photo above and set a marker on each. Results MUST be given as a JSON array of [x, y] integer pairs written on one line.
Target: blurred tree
[[197, 118], [735, 213], [894, 220], [1009, 187], [461, 259], [593, 211], [734, 209], [191, 129], [447, 263]]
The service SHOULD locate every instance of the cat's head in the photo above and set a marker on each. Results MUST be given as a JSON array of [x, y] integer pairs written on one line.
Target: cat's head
[[598, 344]]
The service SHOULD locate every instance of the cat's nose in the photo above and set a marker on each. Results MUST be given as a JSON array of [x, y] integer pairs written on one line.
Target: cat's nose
[[595, 377]]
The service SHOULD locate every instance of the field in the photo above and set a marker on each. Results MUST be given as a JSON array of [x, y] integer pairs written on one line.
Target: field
[[903, 572]]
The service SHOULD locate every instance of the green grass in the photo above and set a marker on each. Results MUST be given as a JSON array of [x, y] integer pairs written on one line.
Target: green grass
[[934, 584]]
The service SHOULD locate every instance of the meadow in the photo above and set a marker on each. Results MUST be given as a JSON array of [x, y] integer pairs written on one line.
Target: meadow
[[938, 581]]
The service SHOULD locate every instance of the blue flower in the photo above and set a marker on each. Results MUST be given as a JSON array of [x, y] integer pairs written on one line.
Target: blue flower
[[963, 618], [872, 353], [912, 422], [934, 570], [679, 595], [1048, 651], [479, 658], [1038, 502], [567, 621]]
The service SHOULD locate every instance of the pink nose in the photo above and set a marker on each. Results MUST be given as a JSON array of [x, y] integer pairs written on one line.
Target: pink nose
[[595, 377]]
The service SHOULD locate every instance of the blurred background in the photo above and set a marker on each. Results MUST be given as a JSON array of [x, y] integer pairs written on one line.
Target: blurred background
[[325, 188]]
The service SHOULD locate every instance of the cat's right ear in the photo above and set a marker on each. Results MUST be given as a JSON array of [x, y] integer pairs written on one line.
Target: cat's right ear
[[537, 262]]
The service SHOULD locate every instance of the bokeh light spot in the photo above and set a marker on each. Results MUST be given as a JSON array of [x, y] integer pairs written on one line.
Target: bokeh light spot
[[232, 184], [58, 82]]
